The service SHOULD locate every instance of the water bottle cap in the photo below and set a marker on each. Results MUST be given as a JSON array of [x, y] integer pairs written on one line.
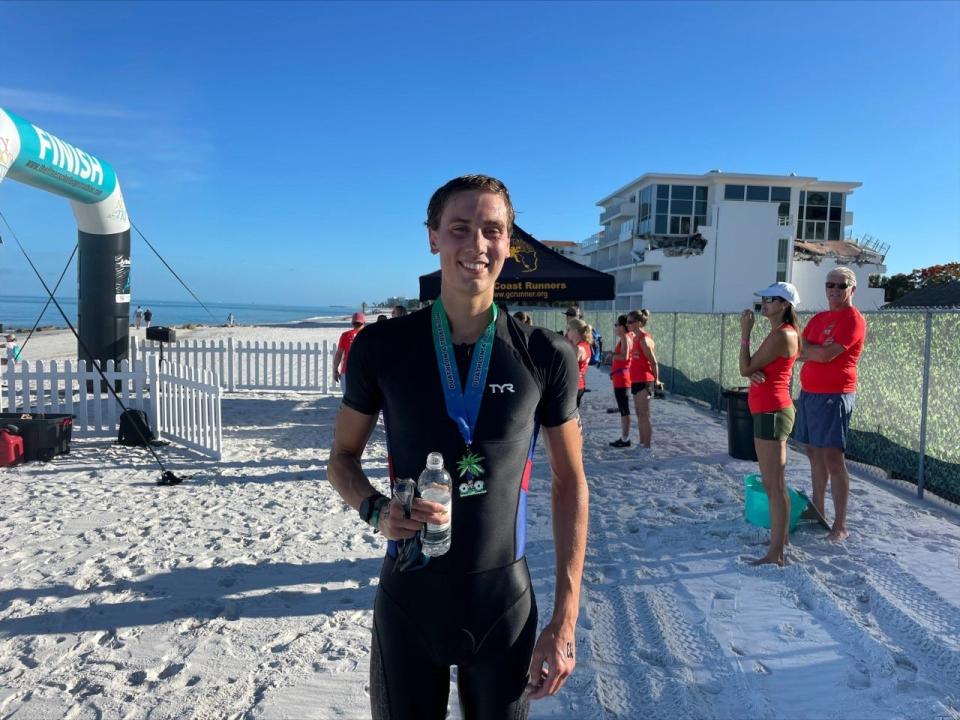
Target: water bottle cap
[[435, 461]]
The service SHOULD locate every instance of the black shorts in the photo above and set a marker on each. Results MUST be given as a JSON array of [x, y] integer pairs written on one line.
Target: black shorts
[[580, 395], [637, 387], [485, 623], [622, 403]]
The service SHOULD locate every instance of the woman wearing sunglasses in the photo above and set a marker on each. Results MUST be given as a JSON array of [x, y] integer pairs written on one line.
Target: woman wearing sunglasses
[[620, 377], [770, 402]]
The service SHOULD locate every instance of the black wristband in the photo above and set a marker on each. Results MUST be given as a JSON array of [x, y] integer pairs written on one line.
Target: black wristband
[[368, 504]]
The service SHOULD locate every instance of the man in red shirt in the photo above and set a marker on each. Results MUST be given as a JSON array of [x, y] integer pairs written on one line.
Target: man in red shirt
[[343, 349], [830, 348]]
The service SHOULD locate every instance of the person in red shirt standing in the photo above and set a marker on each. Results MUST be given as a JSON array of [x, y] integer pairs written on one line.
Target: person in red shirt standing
[[580, 336], [343, 349], [644, 372], [620, 377], [830, 348], [770, 403]]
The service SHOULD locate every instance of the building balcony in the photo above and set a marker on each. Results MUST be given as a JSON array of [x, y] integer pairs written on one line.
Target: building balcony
[[632, 287], [627, 209]]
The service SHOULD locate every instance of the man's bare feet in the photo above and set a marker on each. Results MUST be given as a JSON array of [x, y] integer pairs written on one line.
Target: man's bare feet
[[838, 535]]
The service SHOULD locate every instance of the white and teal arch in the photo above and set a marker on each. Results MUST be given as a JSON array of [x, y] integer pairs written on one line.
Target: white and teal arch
[[36, 157]]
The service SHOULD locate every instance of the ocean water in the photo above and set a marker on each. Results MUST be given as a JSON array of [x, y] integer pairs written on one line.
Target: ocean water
[[21, 311]]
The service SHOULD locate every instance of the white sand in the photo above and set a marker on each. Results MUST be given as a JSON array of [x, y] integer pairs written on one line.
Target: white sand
[[247, 592]]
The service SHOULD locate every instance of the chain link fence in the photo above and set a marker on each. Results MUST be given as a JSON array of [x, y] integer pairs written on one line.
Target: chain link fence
[[907, 416]]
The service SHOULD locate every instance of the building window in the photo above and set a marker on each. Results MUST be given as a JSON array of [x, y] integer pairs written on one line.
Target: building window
[[733, 192], [680, 209], [759, 193], [814, 230], [780, 194], [656, 275], [646, 209], [782, 249], [820, 216]]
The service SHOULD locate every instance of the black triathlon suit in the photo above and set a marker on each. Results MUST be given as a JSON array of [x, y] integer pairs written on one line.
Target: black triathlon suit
[[474, 606]]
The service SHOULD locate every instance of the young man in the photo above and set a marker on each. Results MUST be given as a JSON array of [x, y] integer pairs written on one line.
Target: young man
[[343, 349], [830, 349], [475, 385]]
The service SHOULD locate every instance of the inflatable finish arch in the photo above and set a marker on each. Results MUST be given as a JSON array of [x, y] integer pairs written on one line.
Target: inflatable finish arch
[[35, 157]]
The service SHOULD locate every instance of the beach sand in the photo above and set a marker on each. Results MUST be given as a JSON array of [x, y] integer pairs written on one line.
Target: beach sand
[[247, 591]]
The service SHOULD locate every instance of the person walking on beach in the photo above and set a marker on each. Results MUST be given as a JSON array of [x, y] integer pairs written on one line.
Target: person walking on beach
[[138, 316], [343, 349], [829, 350], [770, 403], [147, 316], [620, 377], [580, 336], [473, 606], [11, 347], [644, 374]]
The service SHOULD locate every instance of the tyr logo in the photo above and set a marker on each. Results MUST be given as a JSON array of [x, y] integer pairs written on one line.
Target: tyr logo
[[506, 387]]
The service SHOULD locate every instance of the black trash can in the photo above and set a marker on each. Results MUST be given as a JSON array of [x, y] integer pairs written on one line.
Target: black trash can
[[739, 425]]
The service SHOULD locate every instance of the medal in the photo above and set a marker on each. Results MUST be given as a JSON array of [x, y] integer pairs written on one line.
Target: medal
[[463, 404], [470, 469]]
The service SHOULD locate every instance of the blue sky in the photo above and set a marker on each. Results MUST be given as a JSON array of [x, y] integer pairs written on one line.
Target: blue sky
[[285, 153]]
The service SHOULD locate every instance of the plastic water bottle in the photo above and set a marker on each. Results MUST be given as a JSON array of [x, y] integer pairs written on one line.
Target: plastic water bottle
[[436, 486]]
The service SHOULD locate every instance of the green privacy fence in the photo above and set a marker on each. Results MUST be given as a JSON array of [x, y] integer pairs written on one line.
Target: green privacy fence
[[907, 417]]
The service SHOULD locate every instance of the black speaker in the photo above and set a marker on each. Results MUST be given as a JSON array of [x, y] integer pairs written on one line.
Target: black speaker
[[161, 334]]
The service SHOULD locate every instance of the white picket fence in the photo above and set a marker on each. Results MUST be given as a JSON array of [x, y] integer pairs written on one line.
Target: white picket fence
[[246, 365], [182, 403], [188, 404]]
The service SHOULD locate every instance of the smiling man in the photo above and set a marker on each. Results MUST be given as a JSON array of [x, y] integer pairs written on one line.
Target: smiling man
[[830, 349], [472, 383]]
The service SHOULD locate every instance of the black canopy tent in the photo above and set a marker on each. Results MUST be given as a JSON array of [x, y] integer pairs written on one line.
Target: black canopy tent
[[535, 274]]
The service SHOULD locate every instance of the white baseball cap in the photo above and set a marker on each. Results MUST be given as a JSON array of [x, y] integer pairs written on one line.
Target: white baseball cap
[[781, 290]]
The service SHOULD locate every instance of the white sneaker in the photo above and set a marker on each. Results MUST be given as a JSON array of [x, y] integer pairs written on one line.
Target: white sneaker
[[645, 453]]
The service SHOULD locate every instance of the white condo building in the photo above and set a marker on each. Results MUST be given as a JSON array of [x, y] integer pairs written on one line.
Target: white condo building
[[705, 243]]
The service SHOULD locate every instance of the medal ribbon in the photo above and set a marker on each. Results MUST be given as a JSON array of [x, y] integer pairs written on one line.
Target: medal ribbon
[[463, 404]]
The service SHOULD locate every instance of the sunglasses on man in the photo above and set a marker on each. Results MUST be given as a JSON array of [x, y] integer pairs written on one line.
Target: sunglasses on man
[[841, 286]]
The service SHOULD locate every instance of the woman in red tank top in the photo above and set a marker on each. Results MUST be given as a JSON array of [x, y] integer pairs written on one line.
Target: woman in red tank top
[[644, 373], [580, 335], [769, 370], [620, 377]]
